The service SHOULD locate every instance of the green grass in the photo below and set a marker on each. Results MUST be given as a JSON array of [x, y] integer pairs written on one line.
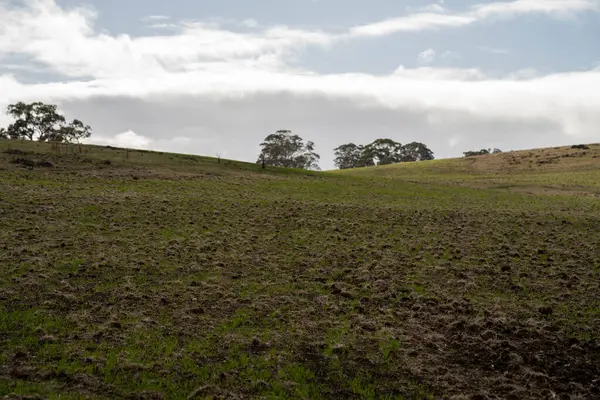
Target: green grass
[[173, 276], [560, 170]]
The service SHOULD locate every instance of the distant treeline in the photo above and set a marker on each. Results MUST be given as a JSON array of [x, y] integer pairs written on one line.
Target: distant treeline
[[481, 152], [283, 149]]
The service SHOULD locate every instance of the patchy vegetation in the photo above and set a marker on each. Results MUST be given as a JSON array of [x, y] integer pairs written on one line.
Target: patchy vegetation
[[145, 275]]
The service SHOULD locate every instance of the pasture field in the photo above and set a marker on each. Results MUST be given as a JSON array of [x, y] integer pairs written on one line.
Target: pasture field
[[145, 275]]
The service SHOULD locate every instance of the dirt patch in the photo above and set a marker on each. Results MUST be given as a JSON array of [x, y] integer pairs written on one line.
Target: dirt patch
[[546, 364]]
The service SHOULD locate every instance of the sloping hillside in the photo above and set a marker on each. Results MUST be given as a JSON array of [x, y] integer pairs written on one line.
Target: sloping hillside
[[558, 170], [143, 275]]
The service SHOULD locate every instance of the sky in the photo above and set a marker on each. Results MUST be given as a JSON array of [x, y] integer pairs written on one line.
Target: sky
[[217, 76]]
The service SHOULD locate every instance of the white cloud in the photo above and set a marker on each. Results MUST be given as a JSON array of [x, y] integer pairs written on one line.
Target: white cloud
[[132, 140], [437, 17], [412, 22], [557, 8], [128, 139], [567, 102], [65, 41], [156, 18], [440, 74], [164, 26], [427, 56]]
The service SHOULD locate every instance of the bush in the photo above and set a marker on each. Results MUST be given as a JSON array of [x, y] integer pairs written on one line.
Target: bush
[[26, 162]]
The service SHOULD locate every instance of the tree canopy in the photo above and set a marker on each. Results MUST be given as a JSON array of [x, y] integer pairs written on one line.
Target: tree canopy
[[282, 149], [416, 151], [380, 152], [42, 122], [351, 155], [481, 152], [383, 152]]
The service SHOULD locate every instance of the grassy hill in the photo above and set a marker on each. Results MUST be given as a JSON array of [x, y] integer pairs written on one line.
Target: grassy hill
[[145, 275], [558, 170]]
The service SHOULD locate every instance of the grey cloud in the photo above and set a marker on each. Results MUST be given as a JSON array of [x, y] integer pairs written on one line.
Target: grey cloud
[[237, 126]]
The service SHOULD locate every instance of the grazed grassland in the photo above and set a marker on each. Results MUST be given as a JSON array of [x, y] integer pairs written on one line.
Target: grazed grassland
[[172, 276], [558, 170]]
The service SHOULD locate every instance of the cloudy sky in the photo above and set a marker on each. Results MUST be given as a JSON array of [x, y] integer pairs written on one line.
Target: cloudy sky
[[217, 76]]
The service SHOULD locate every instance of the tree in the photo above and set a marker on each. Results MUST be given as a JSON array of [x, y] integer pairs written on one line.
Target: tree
[[496, 151], [282, 149], [74, 132], [416, 151], [3, 134], [34, 121], [349, 156], [382, 152], [43, 122]]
